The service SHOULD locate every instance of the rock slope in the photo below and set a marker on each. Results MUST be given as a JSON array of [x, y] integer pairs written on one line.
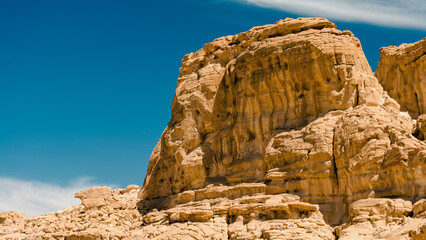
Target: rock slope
[[280, 132]]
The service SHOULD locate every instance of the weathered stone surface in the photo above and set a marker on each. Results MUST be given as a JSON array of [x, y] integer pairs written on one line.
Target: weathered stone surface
[[419, 208], [11, 218], [379, 208], [402, 72], [382, 218], [420, 130], [249, 217], [263, 216], [239, 91], [271, 130], [94, 193], [293, 105]]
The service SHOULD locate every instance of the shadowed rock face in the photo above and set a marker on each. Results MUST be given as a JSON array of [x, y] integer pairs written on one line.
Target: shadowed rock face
[[294, 106], [402, 72]]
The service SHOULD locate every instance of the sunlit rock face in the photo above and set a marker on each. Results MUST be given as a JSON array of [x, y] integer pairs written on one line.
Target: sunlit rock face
[[239, 212], [402, 72], [294, 106], [280, 132]]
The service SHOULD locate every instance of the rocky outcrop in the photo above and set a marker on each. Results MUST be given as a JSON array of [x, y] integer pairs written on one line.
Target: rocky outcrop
[[402, 72], [221, 212], [382, 218], [107, 213], [295, 106], [236, 93], [280, 132]]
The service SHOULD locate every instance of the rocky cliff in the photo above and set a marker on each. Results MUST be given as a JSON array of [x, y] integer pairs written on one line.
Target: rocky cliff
[[293, 106], [280, 132], [402, 72]]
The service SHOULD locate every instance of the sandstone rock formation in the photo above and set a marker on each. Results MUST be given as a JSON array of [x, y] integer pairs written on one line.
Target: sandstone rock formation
[[225, 213], [105, 213], [280, 132], [402, 72], [295, 106], [381, 218]]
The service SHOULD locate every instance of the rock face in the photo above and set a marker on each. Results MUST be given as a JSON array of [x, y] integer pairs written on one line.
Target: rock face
[[107, 213], [295, 106], [280, 132], [402, 72], [382, 219], [224, 213]]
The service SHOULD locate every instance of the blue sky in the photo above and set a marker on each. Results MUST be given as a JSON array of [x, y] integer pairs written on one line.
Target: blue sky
[[86, 86]]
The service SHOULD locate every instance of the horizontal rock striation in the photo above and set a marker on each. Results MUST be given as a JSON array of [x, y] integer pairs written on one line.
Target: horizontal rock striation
[[107, 213], [222, 212]]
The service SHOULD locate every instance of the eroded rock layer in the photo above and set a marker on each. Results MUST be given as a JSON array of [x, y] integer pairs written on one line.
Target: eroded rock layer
[[280, 132], [224, 213], [107, 213], [295, 106], [402, 72], [382, 218]]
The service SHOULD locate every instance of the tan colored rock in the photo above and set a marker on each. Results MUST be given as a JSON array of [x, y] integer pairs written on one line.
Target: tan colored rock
[[275, 132], [259, 216], [93, 202], [402, 73], [380, 218], [95, 218], [238, 91], [293, 106], [247, 217], [95, 193], [132, 187], [379, 208], [419, 208], [11, 218], [421, 127]]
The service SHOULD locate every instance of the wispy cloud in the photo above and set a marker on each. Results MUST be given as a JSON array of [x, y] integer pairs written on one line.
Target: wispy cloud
[[36, 198], [392, 13]]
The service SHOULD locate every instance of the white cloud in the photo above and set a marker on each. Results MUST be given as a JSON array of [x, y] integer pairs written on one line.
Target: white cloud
[[36, 198], [392, 13]]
